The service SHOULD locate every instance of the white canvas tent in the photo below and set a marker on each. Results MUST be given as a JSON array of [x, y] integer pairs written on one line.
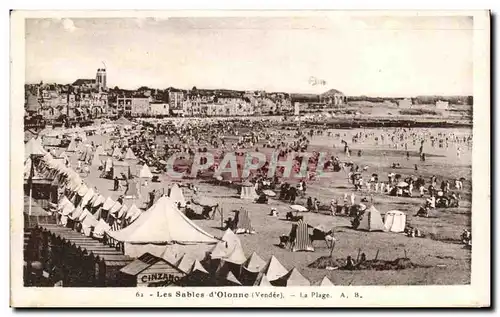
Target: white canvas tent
[[248, 192], [145, 172], [177, 196], [33, 147], [229, 249], [162, 224], [395, 221]]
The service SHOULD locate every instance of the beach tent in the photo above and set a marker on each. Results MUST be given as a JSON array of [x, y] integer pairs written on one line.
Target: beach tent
[[325, 282], [87, 154], [132, 213], [185, 264], [395, 221], [292, 278], [172, 254], [99, 150], [254, 263], [229, 249], [33, 147], [248, 192], [115, 208], [145, 172], [121, 170], [108, 204], [251, 269], [100, 229], [229, 280], [162, 224], [117, 153], [82, 190], [122, 211], [242, 222], [87, 197], [198, 267], [96, 160], [76, 213], [72, 147], [300, 237], [88, 223], [132, 190], [98, 201], [108, 165], [263, 281], [273, 269], [177, 196], [129, 155], [371, 220]]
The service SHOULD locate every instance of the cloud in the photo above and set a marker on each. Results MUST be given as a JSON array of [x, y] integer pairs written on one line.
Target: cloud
[[68, 25]]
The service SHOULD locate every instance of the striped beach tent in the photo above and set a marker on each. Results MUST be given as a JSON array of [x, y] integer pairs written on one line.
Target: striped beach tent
[[300, 237], [242, 222]]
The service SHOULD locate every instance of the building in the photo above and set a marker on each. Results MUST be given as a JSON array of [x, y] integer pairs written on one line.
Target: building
[[133, 106], [333, 97], [404, 103], [159, 109], [101, 79], [175, 99], [442, 105]]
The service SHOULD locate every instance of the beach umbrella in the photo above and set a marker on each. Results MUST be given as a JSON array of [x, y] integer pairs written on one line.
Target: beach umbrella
[[402, 184], [269, 193], [298, 208]]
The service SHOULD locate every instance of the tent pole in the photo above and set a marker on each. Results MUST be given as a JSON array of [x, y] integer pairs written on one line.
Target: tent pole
[[221, 217], [29, 208]]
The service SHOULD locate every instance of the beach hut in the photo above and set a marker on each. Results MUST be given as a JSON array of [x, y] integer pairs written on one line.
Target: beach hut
[[395, 221]]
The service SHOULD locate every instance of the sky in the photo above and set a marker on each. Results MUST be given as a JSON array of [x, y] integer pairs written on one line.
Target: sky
[[371, 55]]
